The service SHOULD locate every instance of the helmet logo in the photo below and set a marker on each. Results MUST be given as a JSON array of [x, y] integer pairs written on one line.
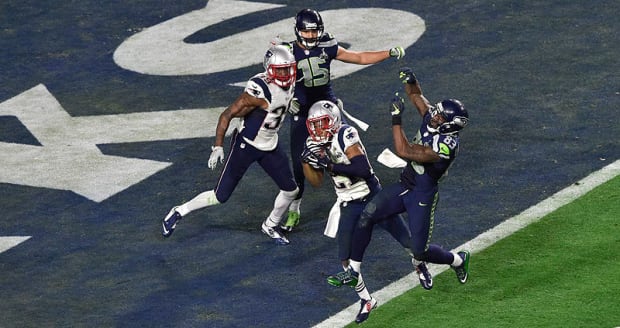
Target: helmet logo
[[268, 55], [311, 26]]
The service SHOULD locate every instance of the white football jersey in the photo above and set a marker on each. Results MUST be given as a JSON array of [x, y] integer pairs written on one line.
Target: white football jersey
[[260, 127]]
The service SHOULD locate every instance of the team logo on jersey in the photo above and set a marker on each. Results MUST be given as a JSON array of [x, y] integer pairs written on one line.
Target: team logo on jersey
[[323, 55], [444, 149], [255, 91]]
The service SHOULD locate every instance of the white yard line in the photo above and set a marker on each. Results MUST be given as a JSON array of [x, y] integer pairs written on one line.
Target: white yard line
[[487, 239]]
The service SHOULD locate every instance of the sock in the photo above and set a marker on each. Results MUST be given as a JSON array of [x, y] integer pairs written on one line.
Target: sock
[[295, 205], [355, 265], [271, 223], [361, 289], [204, 199], [282, 202], [457, 260]]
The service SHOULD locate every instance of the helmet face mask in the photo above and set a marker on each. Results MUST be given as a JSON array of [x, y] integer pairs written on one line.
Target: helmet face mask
[[280, 66], [453, 117], [323, 121], [308, 20]]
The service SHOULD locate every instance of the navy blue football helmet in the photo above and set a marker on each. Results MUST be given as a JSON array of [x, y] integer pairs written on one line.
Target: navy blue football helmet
[[454, 113], [308, 19]]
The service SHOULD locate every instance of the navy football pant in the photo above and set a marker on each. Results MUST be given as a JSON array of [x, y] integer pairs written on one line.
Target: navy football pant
[[349, 216], [242, 155], [420, 208]]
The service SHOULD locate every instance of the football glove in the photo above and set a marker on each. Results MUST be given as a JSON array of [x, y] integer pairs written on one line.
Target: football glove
[[294, 107], [398, 52], [406, 75], [217, 155], [310, 155], [397, 107]]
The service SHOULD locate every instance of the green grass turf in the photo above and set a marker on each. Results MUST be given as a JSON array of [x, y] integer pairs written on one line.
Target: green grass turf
[[562, 271]]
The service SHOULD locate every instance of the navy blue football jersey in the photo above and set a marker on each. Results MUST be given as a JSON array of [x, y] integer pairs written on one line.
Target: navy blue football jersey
[[426, 176], [313, 72]]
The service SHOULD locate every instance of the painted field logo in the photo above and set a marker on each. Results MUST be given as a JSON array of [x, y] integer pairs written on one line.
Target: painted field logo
[[69, 158]]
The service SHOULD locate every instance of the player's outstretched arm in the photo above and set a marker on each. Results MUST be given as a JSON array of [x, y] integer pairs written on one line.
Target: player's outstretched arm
[[368, 57], [414, 90]]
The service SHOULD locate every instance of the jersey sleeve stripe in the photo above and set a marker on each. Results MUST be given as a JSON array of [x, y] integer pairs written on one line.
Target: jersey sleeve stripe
[[264, 86]]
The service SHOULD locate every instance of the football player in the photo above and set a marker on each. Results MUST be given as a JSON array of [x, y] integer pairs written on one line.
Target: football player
[[336, 149], [314, 51], [262, 108], [428, 157]]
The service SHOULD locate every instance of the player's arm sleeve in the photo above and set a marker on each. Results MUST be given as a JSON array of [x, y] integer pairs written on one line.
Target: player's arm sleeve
[[359, 167]]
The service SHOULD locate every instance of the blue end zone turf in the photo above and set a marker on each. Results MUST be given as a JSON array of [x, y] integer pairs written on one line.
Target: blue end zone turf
[[94, 153]]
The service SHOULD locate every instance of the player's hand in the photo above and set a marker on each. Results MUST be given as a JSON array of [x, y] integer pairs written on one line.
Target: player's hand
[[294, 107], [406, 75], [397, 107], [318, 162], [398, 52], [217, 155], [312, 155]]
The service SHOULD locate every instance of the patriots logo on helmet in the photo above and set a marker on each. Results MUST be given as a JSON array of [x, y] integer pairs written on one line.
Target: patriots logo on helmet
[[268, 54]]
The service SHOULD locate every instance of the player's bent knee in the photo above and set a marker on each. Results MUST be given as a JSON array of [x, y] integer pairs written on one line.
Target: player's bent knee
[[365, 220], [367, 217]]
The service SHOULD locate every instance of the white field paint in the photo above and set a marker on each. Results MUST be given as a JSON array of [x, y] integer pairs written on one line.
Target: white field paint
[[9, 242], [69, 157], [487, 238], [161, 49]]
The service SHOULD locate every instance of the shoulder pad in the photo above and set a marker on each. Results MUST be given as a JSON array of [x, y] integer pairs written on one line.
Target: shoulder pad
[[328, 40], [257, 87], [327, 37]]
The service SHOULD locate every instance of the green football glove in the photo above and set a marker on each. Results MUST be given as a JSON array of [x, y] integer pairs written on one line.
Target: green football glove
[[406, 75], [294, 107], [397, 52]]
